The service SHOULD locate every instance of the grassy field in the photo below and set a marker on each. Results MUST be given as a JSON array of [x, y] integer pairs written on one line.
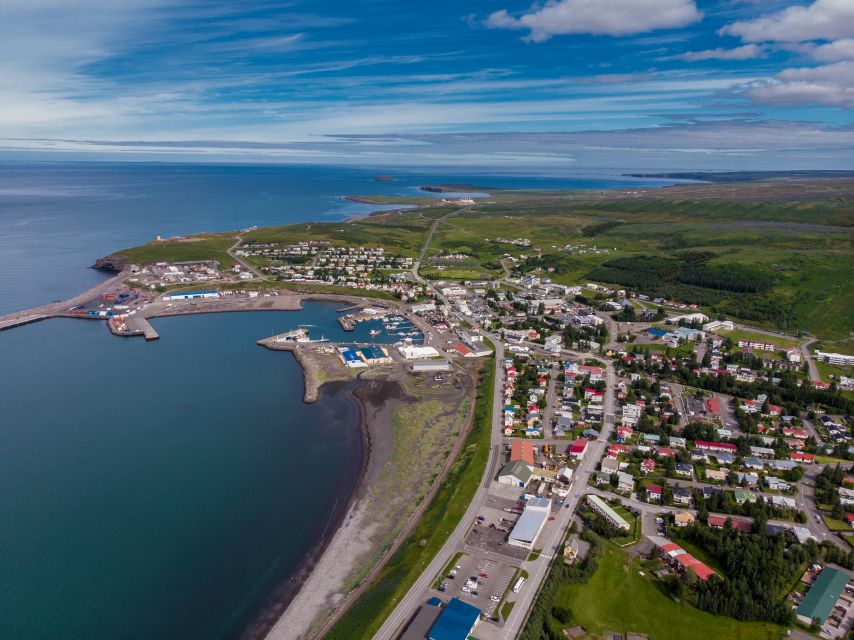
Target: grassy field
[[743, 334], [203, 247], [826, 370], [444, 513], [618, 599]]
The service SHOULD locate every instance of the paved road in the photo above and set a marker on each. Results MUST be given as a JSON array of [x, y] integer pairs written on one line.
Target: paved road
[[244, 263], [595, 450], [805, 353], [429, 239]]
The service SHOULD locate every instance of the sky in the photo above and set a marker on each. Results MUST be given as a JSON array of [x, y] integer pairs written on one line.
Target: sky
[[560, 84]]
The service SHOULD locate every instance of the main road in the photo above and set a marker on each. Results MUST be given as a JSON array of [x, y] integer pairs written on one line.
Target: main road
[[413, 598], [538, 569]]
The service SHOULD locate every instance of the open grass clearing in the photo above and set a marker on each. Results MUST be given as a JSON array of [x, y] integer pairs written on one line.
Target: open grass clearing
[[618, 599]]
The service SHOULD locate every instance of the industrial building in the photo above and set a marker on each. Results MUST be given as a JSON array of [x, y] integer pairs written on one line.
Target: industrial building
[[516, 473], [456, 622], [822, 596], [420, 625], [417, 353], [530, 523], [190, 295], [350, 358], [430, 366], [374, 355]]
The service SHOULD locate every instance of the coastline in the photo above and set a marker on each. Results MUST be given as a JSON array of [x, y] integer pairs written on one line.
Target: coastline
[[276, 604], [320, 584]]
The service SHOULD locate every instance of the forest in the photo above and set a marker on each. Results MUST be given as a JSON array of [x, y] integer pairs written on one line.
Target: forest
[[759, 570]]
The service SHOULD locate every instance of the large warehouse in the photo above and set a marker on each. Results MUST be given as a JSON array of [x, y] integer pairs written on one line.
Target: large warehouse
[[456, 622], [531, 522]]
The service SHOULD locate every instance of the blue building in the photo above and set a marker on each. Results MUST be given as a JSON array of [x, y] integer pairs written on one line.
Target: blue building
[[456, 622]]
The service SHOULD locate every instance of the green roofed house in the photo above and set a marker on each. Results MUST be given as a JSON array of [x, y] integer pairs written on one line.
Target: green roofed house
[[516, 473], [603, 509], [822, 596], [742, 496]]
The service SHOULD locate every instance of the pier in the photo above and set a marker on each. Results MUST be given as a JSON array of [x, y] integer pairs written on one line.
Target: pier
[[9, 322], [143, 325]]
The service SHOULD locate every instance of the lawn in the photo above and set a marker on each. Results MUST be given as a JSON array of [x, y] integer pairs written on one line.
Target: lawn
[[618, 599], [634, 532], [835, 525]]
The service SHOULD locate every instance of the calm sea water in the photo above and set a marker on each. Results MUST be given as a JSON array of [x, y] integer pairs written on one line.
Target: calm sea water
[[161, 490]]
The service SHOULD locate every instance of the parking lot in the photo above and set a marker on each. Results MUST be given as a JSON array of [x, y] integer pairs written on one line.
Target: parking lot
[[480, 579]]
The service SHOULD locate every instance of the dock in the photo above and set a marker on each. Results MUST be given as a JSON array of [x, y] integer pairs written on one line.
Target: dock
[[148, 332], [136, 325], [10, 322]]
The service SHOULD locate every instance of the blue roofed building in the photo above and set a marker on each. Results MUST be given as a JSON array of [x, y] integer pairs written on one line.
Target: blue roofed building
[[456, 622], [658, 333]]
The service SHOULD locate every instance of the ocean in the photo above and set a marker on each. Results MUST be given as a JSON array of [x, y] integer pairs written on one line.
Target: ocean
[[163, 490]]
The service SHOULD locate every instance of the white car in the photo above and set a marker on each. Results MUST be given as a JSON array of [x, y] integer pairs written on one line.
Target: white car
[[494, 598], [466, 590]]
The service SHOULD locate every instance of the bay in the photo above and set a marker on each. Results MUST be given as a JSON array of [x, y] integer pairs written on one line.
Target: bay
[[161, 490]]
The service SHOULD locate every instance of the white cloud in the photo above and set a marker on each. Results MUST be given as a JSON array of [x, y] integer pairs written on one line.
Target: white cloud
[[828, 85], [834, 51], [598, 17], [822, 20], [744, 52]]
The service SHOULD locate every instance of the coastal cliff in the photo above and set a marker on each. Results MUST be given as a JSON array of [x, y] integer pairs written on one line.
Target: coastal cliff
[[114, 263]]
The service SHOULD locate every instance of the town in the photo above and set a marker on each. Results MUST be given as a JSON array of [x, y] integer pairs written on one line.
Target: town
[[625, 428]]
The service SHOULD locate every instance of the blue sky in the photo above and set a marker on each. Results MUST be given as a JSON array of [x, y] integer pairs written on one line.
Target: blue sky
[[660, 84]]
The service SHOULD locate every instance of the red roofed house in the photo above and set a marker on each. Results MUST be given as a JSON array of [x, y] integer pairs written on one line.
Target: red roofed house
[[666, 453], [849, 518], [818, 384], [718, 521], [680, 559], [616, 449], [647, 465], [522, 450], [653, 493], [624, 433], [795, 433], [715, 446], [796, 456], [774, 410], [578, 449]]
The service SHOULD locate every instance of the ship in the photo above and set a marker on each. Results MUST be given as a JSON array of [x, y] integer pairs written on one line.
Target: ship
[[299, 335]]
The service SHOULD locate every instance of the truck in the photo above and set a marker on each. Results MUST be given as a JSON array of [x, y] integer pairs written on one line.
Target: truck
[[518, 586]]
